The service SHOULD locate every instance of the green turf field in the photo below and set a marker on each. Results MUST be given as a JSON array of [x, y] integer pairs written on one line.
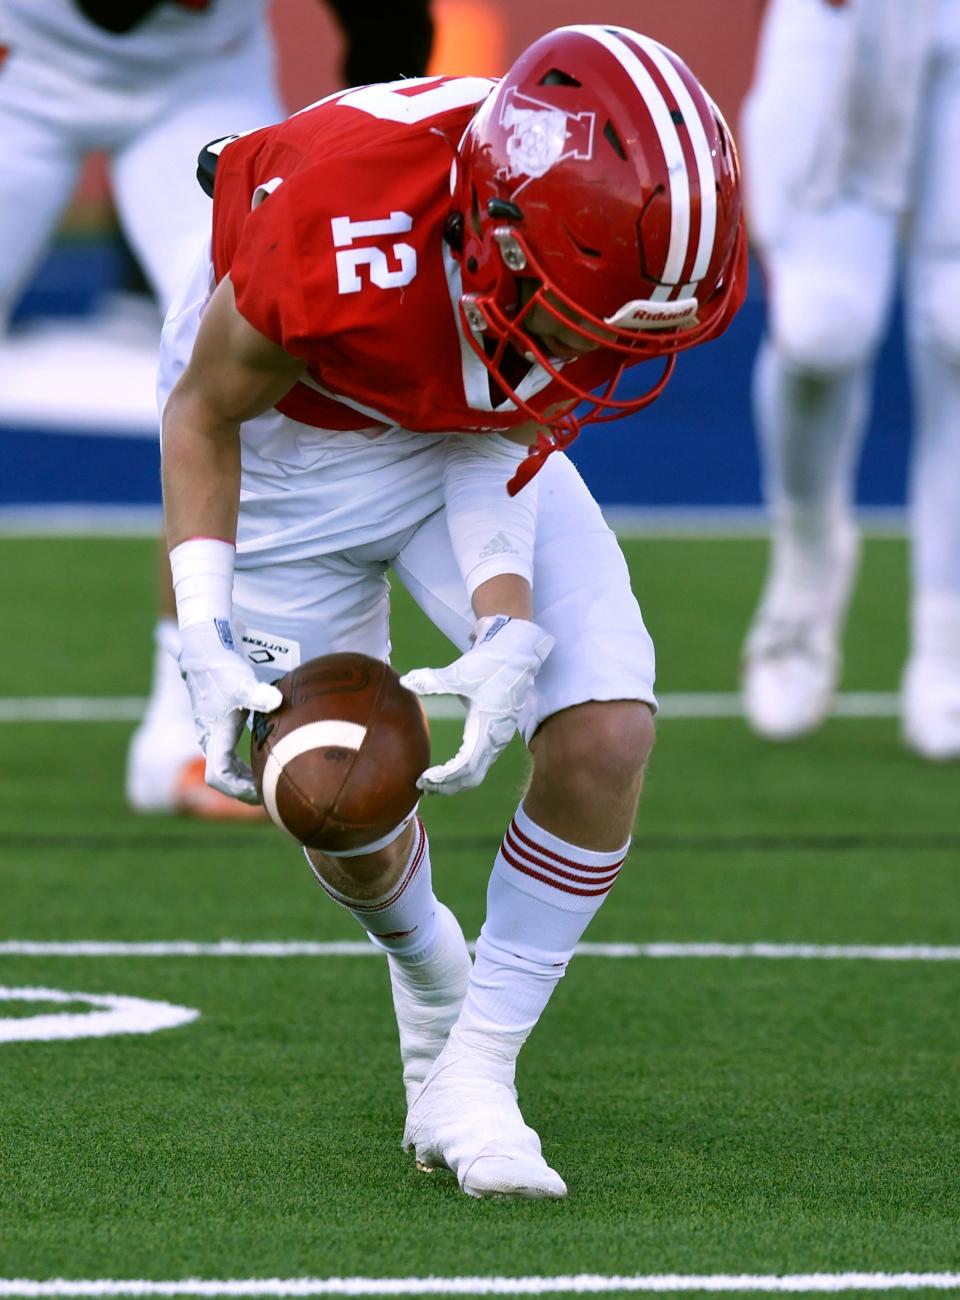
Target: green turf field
[[717, 1116]]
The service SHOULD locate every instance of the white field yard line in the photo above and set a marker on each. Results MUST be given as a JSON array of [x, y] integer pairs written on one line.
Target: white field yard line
[[360, 948], [681, 522], [578, 1284], [678, 704]]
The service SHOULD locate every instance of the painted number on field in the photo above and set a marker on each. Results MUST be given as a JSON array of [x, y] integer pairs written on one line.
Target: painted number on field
[[108, 1014]]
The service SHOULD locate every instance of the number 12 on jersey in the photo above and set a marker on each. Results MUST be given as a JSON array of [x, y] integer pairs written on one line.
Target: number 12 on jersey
[[349, 259]]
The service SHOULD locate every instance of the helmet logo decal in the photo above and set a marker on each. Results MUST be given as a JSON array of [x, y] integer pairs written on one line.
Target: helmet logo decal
[[643, 314], [540, 135]]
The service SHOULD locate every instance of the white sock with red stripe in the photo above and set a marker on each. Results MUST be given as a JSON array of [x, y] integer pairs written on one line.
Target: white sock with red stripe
[[541, 897], [427, 956], [403, 921]]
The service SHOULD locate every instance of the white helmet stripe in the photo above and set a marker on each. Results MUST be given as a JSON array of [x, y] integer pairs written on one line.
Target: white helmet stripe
[[701, 150], [669, 142]]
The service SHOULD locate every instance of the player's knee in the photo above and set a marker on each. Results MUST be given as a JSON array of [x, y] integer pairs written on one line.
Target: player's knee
[[824, 325], [597, 749], [936, 313], [364, 875]]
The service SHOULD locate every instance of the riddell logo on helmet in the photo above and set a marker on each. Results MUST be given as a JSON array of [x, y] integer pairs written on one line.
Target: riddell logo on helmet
[[641, 314], [541, 135]]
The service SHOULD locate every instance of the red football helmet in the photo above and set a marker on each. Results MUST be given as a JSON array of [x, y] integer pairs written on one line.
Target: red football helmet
[[600, 183]]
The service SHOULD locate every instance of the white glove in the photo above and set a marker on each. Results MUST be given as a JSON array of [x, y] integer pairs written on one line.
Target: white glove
[[493, 679], [222, 691]]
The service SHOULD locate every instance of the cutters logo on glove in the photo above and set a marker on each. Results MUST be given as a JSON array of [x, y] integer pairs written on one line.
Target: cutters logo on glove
[[225, 633], [500, 621]]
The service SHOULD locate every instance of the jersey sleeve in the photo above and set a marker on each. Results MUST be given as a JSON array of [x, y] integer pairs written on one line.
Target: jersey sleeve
[[275, 259]]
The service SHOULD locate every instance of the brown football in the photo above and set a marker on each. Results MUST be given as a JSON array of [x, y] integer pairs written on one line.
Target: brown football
[[336, 765]]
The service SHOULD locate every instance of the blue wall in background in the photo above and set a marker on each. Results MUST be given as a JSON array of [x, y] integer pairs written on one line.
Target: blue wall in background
[[694, 446], [42, 467]]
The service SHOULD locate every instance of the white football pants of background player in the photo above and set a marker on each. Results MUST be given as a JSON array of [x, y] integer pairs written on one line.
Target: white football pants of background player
[[151, 113], [323, 517], [851, 140]]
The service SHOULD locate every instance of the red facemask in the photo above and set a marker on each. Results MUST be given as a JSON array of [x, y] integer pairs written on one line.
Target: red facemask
[[600, 172]]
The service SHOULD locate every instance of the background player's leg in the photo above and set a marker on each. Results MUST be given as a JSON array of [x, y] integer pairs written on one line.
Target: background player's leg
[[590, 729], [39, 162], [830, 283], [166, 218], [164, 212], [931, 685]]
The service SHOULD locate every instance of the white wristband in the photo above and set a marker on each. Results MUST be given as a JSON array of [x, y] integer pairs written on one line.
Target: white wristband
[[491, 532], [202, 572]]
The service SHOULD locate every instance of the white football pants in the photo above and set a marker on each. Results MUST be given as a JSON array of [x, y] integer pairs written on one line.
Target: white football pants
[[831, 277], [151, 125], [295, 609]]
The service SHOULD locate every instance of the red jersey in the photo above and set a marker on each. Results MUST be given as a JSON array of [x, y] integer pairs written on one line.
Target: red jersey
[[331, 227]]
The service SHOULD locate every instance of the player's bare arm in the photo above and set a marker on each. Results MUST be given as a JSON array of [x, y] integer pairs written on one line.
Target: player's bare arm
[[234, 374]]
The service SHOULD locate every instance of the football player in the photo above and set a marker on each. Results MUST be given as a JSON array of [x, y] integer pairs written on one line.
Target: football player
[[144, 81], [852, 131], [415, 295]]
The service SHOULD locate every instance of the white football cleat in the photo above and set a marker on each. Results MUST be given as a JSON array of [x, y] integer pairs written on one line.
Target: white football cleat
[[466, 1119], [159, 748], [792, 659], [165, 742], [930, 708], [427, 998], [164, 776]]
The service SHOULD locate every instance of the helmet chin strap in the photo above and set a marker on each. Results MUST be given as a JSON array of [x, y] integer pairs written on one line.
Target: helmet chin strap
[[540, 452], [565, 428]]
